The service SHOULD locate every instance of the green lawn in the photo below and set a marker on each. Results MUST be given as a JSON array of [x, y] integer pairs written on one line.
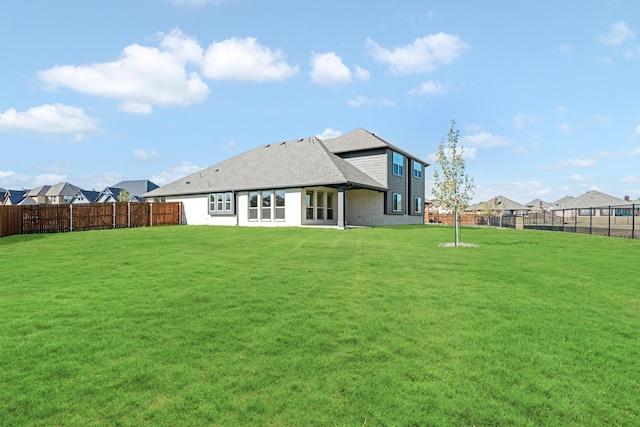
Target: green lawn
[[237, 326]]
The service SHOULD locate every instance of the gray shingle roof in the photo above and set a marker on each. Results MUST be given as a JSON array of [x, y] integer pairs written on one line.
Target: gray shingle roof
[[39, 191], [361, 139], [63, 189], [297, 163], [592, 199], [136, 187]]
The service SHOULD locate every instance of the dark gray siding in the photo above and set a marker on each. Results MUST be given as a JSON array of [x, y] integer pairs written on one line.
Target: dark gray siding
[[397, 184], [416, 187]]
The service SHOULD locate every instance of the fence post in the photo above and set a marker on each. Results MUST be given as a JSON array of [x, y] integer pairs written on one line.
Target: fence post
[[150, 214], [562, 219], [128, 214], [633, 220], [70, 217], [575, 221], [609, 227], [590, 221], [113, 204]]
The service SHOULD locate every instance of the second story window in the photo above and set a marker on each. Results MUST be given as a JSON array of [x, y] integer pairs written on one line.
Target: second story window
[[417, 170], [398, 164]]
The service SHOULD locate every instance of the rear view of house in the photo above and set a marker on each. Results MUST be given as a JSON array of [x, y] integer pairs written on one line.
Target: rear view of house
[[357, 179]]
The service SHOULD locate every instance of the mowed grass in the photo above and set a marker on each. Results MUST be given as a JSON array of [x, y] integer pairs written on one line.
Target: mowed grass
[[315, 327]]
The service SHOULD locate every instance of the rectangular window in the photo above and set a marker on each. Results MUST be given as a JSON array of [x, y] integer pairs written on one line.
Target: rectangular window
[[217, 204], [604, 212], [417, 204], [67, 199], [309, 204], [320, 205], [417, 169], [330, 206], [220, 205], [265, 213], [227, 202], [398, 164], [623, 212], [585, 212], [397, 202], [253, 206], [279, 194]]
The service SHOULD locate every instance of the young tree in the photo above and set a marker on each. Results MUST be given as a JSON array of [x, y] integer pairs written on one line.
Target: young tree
[[487, 211], [124, 196], [452, 186]]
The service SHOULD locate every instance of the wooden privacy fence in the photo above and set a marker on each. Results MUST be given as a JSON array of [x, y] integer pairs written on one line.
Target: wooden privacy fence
[[30, 219]]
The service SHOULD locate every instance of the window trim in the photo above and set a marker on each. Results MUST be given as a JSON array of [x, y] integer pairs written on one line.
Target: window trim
[[217, 203], [417, 205], [417, 172], [396, 202], [398, 168]]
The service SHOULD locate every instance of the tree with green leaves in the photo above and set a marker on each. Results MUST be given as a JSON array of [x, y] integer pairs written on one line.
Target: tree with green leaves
[[452, 186], [124, 196]]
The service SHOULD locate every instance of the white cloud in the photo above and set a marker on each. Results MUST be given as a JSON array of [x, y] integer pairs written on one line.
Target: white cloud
[[245, 59], [578, 177], [618, 33], [141, 78], [573, 163], [424, 55], [142, 154], [231, 146], [362, 74], [563, 127], [329, 133], [175, 173], [431, 88], [632, 153], [360, 100], [565, 48], [522, 120], [630, 179], [602, 119], [561, 109], [484, 139], [133, 107], [328, 70], [50, 119]]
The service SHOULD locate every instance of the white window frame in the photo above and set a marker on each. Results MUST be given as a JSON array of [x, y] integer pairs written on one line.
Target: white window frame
[[398, 168], [397, 202], [217, 205], [417, 170]]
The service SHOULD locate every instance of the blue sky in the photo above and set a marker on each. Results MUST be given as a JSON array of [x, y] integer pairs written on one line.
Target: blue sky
[[545, 94]]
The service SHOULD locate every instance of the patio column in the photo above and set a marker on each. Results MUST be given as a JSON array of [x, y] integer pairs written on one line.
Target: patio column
[[342, 203]]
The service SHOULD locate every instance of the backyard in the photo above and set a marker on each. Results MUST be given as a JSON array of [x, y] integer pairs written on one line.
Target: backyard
[[233, 326]]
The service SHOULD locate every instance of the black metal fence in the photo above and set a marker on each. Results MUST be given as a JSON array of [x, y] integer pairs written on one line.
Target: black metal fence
[[613, 221]]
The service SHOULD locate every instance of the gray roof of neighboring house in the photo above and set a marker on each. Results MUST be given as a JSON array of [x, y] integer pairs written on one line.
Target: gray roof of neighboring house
[[63, 189], [592, 199], [509, 204], [361, 139], [136, 187], [559, 204], [16, 196], [90, 195], [39, 191], [538, 204], [296, 163]]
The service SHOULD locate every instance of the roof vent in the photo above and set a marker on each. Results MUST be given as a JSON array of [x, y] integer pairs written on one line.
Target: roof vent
[[217, 170], [267, 146], [188, 182]]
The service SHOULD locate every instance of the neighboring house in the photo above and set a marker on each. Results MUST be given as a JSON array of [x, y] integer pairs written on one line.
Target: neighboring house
[[136, 188], [13, 197], [85, 196], [538, 206], [560, 203], [357, 179], [510, 207], [112, 194], [595, 203], [38, 195], [61, 193]]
